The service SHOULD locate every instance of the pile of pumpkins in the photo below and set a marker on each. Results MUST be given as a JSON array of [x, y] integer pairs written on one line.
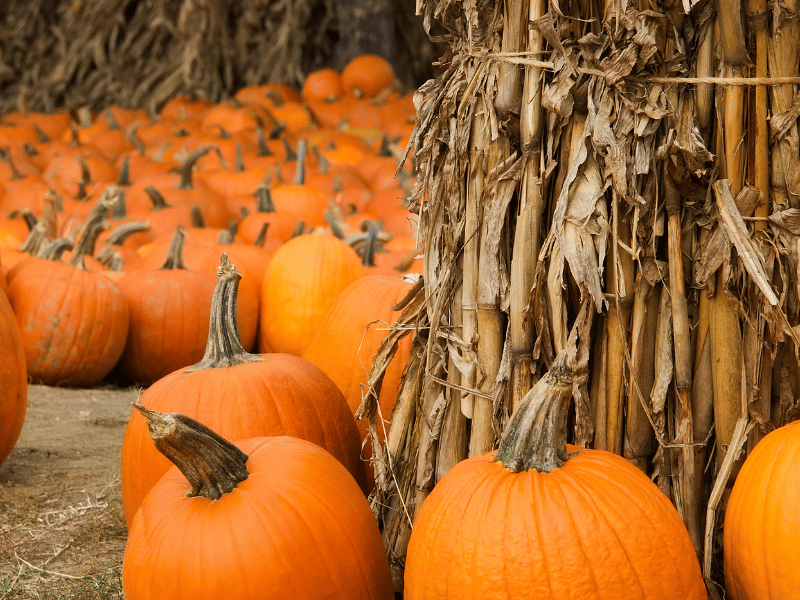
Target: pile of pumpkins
[[244, 260]]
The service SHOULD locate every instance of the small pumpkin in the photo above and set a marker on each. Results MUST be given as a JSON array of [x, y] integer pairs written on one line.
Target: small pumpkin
[[266, 518], [542, 519]]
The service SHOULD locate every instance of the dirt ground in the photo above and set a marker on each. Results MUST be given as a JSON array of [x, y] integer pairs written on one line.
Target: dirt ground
[[62, 530]]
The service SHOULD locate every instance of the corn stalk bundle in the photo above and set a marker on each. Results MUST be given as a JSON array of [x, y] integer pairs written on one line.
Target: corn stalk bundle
[[619, 179], [140, 53]]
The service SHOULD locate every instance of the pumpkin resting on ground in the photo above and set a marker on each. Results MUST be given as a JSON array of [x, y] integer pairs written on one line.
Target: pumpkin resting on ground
[[74, 322], [240, 395], [268, 518], [534, 521]]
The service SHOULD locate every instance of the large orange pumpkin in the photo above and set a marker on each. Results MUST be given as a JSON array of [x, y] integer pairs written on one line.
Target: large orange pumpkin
[[762, 521], [540, 519], [302, 282], [13, 375], [240, 395], [268, 518]]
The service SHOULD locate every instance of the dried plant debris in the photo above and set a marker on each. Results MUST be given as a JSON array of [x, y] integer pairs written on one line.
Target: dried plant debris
[[659, 249], [56, 54]]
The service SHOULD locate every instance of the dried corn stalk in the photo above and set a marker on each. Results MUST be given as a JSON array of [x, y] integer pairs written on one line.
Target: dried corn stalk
[[651, 216]]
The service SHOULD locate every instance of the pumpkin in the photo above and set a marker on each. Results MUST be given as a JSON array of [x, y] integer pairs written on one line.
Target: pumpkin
[[761, 521], [240, 395], [267, 518], [169, 307], [541, 519], [13, 374], [322, 84], [366, 75], [74, 322], [348, 339], [302, 282]]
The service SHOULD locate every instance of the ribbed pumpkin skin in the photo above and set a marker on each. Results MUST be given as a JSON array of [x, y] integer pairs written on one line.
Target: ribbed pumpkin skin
[[169, 312], [343, 350], [281, 395], [302, 282], [298, 528], [73, 322], [596, 528], [13, 379], [762, 522]]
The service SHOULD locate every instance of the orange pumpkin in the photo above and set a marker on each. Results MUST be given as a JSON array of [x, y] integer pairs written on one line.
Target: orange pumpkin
[[367, 75], [542, 519], [168, 308], [274, 394], [302, 282], [268, 518], [761, 521], [64, 346], [348, 339]]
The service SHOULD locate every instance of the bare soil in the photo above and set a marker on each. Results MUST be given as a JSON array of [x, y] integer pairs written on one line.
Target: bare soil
[[62, 530]]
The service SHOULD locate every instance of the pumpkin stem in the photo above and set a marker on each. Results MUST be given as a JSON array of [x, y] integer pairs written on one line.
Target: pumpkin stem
[[224, 347], [133, 138], [385, 149], [36, 240], [125, 172], [93, 227], [261, 138], [197, 217], [225, 238], [27, 215], [212, 465], [110, 258], [300, 171], [264, 203], [156, 198], [299, 229], [188, 167], [333, 222], [287, 147], [119, 210], [86, 179], [113, 125], [324, 163], [536, 435], [121, 233], [43, 137], [370, 243], [5, 154], [55, 249], [261, 238], [277, 131], [239, 167], [174, 258]]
